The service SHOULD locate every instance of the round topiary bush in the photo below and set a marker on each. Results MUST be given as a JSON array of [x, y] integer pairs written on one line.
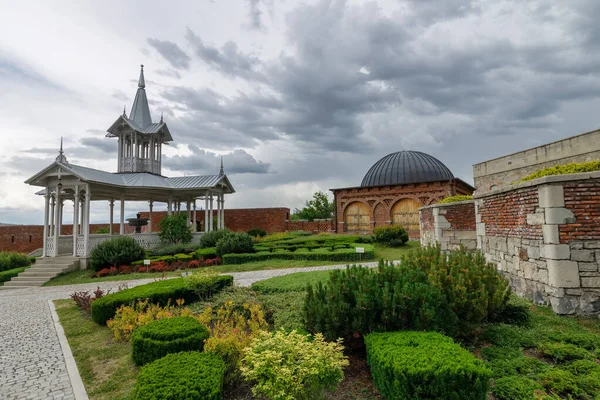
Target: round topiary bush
[[255, 232], [166, 336], [190, 375], [390, 235], [235, 243], [116, 252], [210, 239]]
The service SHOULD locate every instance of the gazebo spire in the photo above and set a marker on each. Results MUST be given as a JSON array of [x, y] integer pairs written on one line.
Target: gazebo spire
[[140, 112], [61, 156], [221, 171]]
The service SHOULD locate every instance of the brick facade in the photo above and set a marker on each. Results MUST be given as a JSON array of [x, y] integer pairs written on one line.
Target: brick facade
[[583, 199], [449, 225], [380, 200], [311, 226]]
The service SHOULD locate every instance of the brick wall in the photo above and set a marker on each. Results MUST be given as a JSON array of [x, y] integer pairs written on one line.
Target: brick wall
[[546, 239], [449, 225], [311, 226]]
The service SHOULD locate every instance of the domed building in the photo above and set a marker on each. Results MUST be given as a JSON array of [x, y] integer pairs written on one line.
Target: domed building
[[393, 190]]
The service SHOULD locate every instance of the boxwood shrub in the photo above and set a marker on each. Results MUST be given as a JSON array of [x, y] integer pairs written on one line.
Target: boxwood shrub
[[165, 336], [515, 388], [12, 260], [11, 273], [425, 365], [159, 292], [190, 375], [210, 239], [238, 243], [116, 252], [341, 255], [206, 253]]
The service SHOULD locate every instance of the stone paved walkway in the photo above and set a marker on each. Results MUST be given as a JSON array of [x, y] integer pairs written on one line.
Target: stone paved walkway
[[32, 365]]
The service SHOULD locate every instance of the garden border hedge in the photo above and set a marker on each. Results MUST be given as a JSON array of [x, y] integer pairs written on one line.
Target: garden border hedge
[[412, 365], [165, 336], [159, 292], [11, 273], [342, 255]]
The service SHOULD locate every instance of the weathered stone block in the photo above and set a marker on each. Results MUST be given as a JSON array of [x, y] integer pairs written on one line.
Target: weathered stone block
[[588, 267], [469, 244], [550, 233], [533, 252], [542, 276], [565, 305], [575, 245], [583, 255], [592, 244], [589, 303], [559, 216], [590, 282], [528, 269], [536, 219], [555, 251], [574, 292], [551, 196], [563, 273]]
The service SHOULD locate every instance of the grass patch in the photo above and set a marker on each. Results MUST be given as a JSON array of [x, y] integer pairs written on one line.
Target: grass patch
[[105, 366], [296, 282]]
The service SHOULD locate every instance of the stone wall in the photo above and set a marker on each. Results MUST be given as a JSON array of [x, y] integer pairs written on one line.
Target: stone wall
[[501, 171], [450, 225], [545, 236]]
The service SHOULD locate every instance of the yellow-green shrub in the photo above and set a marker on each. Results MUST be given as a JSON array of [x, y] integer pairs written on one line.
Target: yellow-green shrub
[[453, 199], [292, 366], [573, 168]]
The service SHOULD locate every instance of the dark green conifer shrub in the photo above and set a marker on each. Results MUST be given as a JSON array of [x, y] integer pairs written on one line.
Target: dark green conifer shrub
[[560, 382], [210, 239], [257, 232], [115, 252], [165, 336], [175, 229], [390, 235], [191, 376], [515, 388], [12, 260], [235, 243]]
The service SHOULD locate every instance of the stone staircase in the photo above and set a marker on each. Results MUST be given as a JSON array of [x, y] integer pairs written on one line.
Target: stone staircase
[[42, 271]]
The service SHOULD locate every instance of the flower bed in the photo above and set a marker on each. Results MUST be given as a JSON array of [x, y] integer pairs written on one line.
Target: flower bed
[[157, 266]]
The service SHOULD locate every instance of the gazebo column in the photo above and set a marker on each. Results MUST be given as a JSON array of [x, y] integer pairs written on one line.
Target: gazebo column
[[151, 203], [75, 218], [111, 204], [122, 217], [52, 204], [188, 206], [211, 218], [56, 216], [86, 232], [222, 211], [205, 213], [60, 216], [195, 227], [218, 211], [46, 219], [170, 206]]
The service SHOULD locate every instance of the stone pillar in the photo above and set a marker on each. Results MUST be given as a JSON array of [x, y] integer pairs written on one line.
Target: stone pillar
[[75, 218], [150, 204], [111, 204], [205, 213], [46, 219], [122, 217], [86, 232]]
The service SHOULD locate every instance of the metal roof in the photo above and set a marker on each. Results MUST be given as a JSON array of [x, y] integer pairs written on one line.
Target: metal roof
[[406, 167], [140, 111]]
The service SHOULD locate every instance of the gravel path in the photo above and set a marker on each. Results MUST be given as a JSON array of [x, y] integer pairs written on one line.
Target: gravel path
[[32, 363]]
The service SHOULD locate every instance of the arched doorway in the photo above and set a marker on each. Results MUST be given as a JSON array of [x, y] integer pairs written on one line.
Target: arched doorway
[[406, 213], [357, 217]]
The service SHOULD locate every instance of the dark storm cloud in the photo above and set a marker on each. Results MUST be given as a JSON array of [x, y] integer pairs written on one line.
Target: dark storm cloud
[[171, 52], [205, 162], [228, 59]]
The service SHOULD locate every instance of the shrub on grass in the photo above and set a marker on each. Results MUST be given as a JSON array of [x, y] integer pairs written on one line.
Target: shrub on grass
[[583, 367], [257, 232], [295, 282], [284, 366], [206, 253], [175, 229], [190, 375], [563, 352], [390, 235], [285, 309], [165, 336], [513, 314], [235, 243], [11, 260], [319, 254], [560, 382], [508, 361], [590, 384], [116, 252], [156, 292], [171, 250], [11, 273], [84, 300], [515, 388], [205, 284], [210, 239], [425, 365]]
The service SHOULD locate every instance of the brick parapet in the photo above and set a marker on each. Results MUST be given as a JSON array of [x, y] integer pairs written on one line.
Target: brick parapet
[[450, 225]]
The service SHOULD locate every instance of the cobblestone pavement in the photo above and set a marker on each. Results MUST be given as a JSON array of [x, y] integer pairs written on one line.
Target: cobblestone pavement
[[32, 365]]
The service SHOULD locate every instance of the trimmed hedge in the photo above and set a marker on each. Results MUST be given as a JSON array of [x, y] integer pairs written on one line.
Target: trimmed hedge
[[454, 199], [159, 292], [175, 249], [12, 260], [425, 365], [205, 254], [11, 273], [342, 255], [191, 376], [165, 336]]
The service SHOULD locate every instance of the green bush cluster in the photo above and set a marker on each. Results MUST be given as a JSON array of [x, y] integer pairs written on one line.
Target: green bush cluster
[[205, 285], [390, 235], [190, 376], [235, 243], [11, 273], [342, 255], [175, 229], [210, 239], [564, 352], [205, 253], [454, 199], [165, 336], [171, 250], [167, 259], [296, 282], [257, 232], [159, 292], [427, 290], [117, 251], [515, 388], [12, 260], [425, 365], [573, 168]]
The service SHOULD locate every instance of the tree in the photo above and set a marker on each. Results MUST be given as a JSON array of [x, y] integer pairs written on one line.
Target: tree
[[318, 208], [175, 229]]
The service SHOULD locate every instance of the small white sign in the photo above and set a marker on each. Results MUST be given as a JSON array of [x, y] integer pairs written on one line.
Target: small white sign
[[360, 249], [146, 262], [184, 274]]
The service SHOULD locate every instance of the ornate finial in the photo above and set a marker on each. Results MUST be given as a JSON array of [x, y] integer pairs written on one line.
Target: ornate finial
[[221, 171], [61, 157], [124, 112], [161, 117], [142, 82]]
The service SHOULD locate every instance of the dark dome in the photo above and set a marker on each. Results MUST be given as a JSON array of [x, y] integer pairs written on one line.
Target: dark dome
[[406, 167]]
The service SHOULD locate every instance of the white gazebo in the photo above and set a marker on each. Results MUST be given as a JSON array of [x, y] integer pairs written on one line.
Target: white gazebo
[[138, 179]]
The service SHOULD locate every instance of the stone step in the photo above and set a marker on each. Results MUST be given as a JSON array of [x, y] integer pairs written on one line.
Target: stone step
[[14, 287], [15, 282], [21, 278], [44, 272], [56, 260], [52, 266]]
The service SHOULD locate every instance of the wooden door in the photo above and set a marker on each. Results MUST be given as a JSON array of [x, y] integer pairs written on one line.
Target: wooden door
[[406, 214], [357, 217]]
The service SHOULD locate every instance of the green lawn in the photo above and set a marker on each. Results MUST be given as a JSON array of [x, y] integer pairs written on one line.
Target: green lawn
[[76, 277]]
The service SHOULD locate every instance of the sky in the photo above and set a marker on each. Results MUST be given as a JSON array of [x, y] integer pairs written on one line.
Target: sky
[[296, 96]]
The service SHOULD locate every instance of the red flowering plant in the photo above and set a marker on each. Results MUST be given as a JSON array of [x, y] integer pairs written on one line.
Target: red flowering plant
[[158, 266]]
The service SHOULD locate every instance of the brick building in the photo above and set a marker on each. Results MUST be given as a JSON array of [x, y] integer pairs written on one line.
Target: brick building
[[392, 192]]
